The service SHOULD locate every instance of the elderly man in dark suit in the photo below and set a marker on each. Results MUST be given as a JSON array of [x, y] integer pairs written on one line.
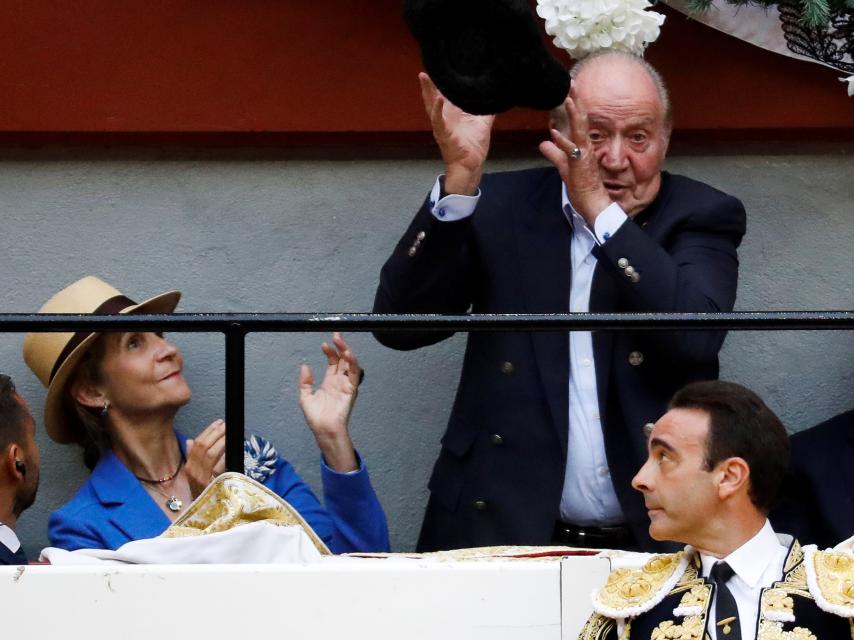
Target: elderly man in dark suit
[[547, 429], [19, 468], [818, 498]]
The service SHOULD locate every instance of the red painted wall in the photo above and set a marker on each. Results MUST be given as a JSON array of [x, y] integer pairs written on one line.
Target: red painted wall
[[326, 66]]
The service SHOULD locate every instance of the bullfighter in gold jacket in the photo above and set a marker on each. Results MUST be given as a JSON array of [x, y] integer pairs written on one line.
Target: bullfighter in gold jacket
[[716, 461]]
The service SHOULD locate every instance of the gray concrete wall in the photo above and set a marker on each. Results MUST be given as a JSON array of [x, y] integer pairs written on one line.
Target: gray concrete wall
[[238, 232]]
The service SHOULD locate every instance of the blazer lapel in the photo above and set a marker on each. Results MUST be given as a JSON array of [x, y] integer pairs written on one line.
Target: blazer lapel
[[131, 509], [543, 239], [604, 297]]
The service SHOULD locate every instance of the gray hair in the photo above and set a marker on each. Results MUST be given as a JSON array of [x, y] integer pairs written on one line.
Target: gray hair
[[653, 74]]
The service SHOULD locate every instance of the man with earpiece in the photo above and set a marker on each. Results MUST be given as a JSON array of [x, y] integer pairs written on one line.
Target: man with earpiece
[[19, 468]]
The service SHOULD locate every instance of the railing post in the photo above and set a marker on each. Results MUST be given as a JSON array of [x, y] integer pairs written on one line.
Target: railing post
[[235, 382]]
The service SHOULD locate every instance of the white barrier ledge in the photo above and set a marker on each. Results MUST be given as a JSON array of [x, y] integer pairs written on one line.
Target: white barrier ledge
[[340, 599]]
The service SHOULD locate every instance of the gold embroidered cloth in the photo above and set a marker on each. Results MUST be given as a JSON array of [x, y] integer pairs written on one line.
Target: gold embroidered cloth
[[834, 571], [233, 499]]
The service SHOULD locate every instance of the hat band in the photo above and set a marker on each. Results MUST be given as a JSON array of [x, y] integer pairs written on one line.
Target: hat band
[[111, 306]]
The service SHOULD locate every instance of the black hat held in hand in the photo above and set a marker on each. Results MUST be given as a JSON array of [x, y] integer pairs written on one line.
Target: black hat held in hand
[[486, 56]]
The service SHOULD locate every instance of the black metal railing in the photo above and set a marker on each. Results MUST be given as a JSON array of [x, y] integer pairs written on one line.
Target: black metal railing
[[235, 326]]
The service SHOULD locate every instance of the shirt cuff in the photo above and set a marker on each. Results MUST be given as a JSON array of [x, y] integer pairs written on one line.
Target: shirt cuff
[[453, 206], [609, 222]]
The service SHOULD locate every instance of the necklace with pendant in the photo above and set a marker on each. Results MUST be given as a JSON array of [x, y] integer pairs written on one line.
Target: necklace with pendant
[[173, 502]]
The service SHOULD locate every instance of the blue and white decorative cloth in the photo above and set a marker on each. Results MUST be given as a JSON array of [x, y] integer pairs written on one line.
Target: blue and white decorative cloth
[[259, 458]]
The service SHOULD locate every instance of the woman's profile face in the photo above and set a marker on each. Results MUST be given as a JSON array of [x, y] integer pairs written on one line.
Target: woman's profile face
[[142, 373]]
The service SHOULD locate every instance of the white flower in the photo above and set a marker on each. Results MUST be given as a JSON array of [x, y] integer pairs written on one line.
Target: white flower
[[584, 26], [850, 81]]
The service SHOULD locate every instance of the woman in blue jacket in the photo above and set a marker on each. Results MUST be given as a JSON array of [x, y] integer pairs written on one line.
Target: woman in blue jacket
[[117, 395]]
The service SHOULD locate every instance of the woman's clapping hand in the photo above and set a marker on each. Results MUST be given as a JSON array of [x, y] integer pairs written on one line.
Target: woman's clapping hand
[[327, 408], [205, 457]]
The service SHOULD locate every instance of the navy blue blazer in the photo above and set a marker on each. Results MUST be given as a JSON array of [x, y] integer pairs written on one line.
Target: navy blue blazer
[[499, 476], [817, 501], [7, 557]]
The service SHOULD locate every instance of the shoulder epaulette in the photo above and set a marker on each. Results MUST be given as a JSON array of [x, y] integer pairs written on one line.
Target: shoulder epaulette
[[631, 592], [830, 578]]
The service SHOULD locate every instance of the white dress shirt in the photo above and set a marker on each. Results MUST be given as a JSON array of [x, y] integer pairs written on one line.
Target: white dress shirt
[[588, 495], [757, 564], [8, 539]]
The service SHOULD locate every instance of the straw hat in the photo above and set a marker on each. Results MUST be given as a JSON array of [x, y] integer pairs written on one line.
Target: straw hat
[[53, 356]]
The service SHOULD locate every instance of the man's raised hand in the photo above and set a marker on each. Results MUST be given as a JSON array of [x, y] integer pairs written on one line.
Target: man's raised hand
[[578, 169], [463, 139]]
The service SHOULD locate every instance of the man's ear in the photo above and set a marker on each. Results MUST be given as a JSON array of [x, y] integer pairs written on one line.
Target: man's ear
[[734, 477], [11, 457], [87, 395]]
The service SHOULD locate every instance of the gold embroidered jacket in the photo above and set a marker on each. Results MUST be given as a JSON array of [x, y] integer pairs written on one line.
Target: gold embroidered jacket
[[668, 599]]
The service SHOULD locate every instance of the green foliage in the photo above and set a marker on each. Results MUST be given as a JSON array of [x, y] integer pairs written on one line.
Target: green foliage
[[814, 13], [698, 6]]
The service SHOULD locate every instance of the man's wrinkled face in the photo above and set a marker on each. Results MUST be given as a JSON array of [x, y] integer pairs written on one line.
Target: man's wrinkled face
[[679, 492], [626, 129]]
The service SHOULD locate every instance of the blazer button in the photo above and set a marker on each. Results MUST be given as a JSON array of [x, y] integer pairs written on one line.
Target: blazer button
[[507, 368], [635, 277], [412, 251], [421, 235], [622, 263], [647, 429], [629, 270], [636, 358], [497, 440], [480, 505]]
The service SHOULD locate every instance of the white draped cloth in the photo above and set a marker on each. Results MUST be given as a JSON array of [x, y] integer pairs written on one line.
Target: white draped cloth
[[255, 543]]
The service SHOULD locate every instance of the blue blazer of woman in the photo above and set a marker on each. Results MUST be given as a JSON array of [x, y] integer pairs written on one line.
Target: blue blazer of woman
[[113, 508]]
